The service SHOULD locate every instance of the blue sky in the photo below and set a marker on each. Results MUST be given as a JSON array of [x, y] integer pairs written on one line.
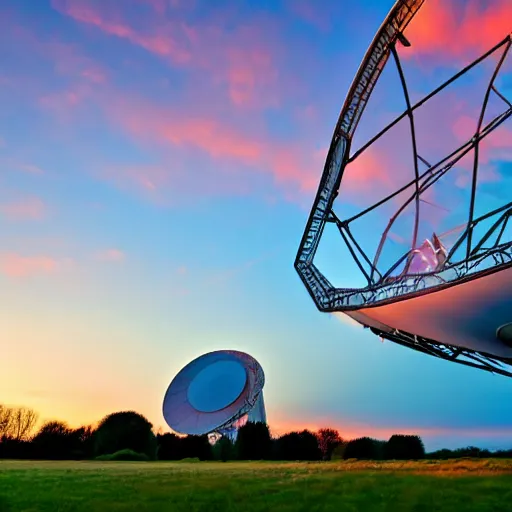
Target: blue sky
[[159, 159]]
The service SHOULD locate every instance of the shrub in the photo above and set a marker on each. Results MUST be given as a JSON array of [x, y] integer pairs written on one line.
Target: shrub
[[124, 455]]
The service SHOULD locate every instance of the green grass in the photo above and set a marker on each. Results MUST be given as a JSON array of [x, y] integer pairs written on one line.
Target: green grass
[[480, 485]]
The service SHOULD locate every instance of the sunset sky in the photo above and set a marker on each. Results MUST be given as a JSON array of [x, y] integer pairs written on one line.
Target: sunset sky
[[158, 159]]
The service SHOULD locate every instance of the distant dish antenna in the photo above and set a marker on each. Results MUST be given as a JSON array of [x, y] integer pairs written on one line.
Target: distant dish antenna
[[215, 394]]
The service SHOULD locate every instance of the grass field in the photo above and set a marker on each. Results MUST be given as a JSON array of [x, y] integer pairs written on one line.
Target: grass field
[[480, 485]]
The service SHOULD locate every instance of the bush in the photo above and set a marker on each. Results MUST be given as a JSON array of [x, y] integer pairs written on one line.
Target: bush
[[125, 430], [404, 447], [124, 455]]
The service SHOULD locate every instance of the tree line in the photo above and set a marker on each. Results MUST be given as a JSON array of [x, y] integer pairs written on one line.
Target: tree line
[[128, 435]]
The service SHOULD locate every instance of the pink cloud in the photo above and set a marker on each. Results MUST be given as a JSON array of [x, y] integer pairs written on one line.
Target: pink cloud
[[289, 165], [447, 31], [246, 71], [310, 12], [162, 6], [112, 255], [62, 101], [70, 62], [372, 166], [242, 60], [95, 75], [162, 43], [16, 265], [78, 75], [31, 208], [30, 168], [497, 146]]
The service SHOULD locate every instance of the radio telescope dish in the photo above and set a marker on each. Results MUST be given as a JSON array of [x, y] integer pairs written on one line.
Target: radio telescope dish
[[216, 394], [410, 233]]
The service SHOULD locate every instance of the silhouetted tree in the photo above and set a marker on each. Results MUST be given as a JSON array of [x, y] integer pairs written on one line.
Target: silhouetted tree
[[170, 447], [339, 452], [197, 447], [471, 451], [328, 439], [297, 446], [5, 420], [16, 423], [173, 447], [404, 447], [223, 449], [363, 448], [444, 453], [125, 430], [83, 442], [504, 454], [53, 441], [13, 449], [253, 442]]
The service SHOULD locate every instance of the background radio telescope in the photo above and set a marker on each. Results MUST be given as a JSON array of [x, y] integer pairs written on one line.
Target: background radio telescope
[[410, 233], [216, 394]]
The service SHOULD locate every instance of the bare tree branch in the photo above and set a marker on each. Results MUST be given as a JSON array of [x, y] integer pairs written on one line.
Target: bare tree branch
[[5, 420], [23, 421]]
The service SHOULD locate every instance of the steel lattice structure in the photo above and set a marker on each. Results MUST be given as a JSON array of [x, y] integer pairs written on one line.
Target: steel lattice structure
[[473, 256]]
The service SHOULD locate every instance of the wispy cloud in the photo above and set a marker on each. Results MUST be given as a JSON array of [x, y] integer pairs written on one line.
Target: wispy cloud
[[242, 58], [30, 168], [31, 208], [17, 265], [112, 22], [110, 255], [309, 11], [291, 166]]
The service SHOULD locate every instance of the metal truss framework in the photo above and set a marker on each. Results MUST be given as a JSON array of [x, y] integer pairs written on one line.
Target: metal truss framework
[[472, 358], [489, 253]]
